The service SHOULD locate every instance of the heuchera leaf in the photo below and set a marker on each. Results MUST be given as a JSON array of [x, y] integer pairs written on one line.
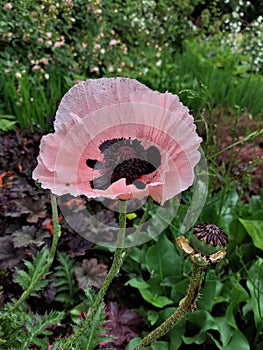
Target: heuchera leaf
[[9, 255], [29, 235], [77, 244], [35, 209], [91, 273], [123, 324]]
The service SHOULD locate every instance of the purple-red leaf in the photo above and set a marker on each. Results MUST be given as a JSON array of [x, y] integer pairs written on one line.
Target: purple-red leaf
[[123, 324]]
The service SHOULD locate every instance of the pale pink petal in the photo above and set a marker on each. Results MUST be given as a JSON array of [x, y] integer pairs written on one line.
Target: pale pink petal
[[95, 111]]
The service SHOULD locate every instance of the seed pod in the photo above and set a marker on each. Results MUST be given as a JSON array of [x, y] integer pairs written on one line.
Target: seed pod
[[208, 239]]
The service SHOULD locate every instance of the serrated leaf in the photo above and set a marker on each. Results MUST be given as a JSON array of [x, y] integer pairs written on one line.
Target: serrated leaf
[[91, 273], [65, 279], [9, 255], [32, 278], [23, 279], [63, 298], [35, 209], [29, 235], [36, 326], [123, 324]]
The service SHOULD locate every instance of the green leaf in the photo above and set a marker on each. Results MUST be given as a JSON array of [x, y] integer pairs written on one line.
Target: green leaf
[[237, 341], [152, 317], [32, 278], [204, 321], [255, 286], [133, 343], [36, 325], [131, 216], [160, 345], [255, 229], [7, 122], [66, 285], [144, 288], [208, 293], [237, 295], [163, 259]]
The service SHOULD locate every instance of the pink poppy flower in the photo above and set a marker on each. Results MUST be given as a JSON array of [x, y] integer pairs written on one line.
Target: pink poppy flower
[[116, 138]]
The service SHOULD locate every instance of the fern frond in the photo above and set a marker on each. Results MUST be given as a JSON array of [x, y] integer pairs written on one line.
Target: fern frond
[[20, 329], [11, 326], [94, 335], [36, 325], [66, 285], [30, 279]]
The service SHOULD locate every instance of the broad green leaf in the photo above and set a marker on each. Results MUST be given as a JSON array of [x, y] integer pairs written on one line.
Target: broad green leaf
[[152, 317], [179, 290], [208, 293], [204, 321], [255, 286], [148, 295], [133, 343], [155, 300], [237, 295], [255, 229], [237, 341], [140, 284], [163, 259], [255, 204], [160, 345], [225, 330]]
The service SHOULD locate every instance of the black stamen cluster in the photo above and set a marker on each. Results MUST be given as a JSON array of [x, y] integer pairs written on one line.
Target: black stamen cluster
[[211, 234], [124, 158]]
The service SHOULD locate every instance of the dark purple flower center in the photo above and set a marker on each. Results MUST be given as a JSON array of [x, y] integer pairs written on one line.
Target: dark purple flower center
[[124, 158]]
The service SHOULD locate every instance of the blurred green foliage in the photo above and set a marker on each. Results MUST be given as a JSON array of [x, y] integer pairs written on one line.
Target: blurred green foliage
[[47, 46]]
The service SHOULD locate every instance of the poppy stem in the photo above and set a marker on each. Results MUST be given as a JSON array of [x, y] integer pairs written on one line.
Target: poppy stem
[[186, 304], [114, 270], [37, 277], [138, 230]]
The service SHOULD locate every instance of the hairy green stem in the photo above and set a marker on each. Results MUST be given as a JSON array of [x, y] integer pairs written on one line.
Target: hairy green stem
[[114, 270], [137, 232], [51, 256], [186, 304]]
